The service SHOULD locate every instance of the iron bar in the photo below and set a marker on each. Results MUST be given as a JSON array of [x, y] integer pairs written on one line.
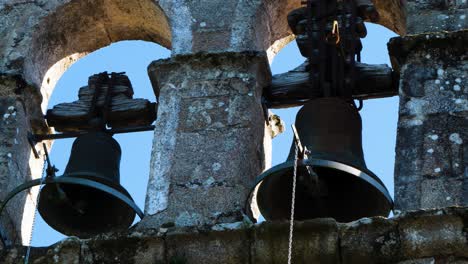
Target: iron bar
[[40, 137]]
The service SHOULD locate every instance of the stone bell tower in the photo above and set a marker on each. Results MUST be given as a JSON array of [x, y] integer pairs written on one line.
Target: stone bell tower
[[212, 137]]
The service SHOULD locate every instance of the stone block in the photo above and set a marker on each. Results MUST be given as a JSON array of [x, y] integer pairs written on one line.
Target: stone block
[[134, 248], [418, 261], [431, 162], [369, 240], [441, 192], [17, 255], [229, 247], [221, 204], [212, 40], [65, 251], [423, 233], [314, 241]]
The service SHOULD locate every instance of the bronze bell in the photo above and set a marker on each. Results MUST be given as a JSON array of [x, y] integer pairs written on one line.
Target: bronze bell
[[339, 185], [83, 211]]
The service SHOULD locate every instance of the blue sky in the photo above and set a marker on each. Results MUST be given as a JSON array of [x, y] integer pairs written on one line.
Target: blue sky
[[379, 116]]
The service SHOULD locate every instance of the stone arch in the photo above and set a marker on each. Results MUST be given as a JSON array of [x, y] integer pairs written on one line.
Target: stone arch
[[80, 27], [276, 33]]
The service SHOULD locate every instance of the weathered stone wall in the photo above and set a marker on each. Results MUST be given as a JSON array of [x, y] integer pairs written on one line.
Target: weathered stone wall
[[18, 116], [431, 168], [436, 236], [208, 143]]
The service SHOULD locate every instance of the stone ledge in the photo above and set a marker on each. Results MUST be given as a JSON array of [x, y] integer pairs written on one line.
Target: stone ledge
[[400, 48], [432, 236]]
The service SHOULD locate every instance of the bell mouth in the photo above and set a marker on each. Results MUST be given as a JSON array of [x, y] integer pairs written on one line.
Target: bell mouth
[[84, 211], [342, 192]]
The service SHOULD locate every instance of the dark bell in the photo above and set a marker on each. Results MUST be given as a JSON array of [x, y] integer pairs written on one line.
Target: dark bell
[[82, 211], [343, 188]]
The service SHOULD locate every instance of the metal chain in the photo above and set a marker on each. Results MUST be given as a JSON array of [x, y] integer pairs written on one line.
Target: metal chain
[[293, 200], [28, 250]]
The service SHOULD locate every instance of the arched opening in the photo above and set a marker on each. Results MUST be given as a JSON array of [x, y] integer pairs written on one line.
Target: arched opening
[[78, 28], [379, 116], [68, 33], [131, 57]]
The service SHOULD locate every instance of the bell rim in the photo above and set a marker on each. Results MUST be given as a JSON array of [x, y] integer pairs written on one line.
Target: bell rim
[[104, 186], [72, 178], [364, 174]]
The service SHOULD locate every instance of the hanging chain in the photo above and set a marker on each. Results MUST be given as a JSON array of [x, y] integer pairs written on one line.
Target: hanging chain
[[44, 173], [293, 199]]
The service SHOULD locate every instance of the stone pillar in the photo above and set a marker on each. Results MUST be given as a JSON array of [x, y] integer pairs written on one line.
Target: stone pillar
[[431, 153], [17, 163], [209, 137]]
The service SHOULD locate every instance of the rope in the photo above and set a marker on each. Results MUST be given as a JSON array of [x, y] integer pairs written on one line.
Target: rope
[[28, 250], [293, 199]]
